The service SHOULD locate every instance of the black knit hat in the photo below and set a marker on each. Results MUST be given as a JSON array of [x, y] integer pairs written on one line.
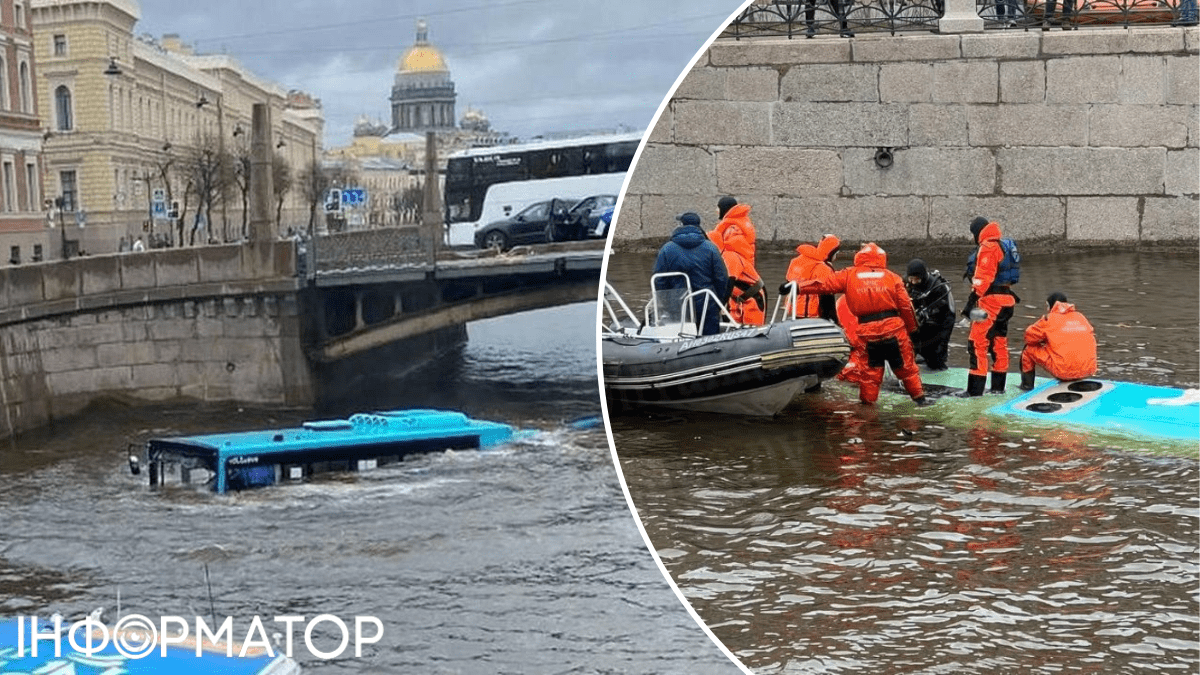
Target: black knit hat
[[977, 226], [1055, 297], [724, 204], [916, 268]]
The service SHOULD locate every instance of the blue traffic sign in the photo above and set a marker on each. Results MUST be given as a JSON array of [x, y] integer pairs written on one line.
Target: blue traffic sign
[[354, 196]]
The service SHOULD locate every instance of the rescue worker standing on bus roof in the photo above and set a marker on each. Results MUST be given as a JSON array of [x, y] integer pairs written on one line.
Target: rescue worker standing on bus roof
[[934, 305], [1062, 341], [812, 262], [734, 237], [875, 295], [989, 307]]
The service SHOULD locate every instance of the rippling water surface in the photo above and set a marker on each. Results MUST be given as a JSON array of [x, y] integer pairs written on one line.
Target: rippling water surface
[[522, 559], [836, 538]]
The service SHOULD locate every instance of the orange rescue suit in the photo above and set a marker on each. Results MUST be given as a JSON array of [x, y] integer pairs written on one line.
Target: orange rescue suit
[[734, 237], [990, 336], [811, 262], [1063, 342], [877, 298], [855, 369]]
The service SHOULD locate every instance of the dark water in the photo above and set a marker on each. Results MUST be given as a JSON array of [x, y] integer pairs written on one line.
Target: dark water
[[842, 539], [519, 560]]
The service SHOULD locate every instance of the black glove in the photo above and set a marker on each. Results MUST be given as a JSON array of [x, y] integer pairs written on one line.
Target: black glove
[[786, 287], [972, 300], [729, 290]]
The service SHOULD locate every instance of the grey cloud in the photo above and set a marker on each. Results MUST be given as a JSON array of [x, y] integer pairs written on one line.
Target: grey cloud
[[532, 65]]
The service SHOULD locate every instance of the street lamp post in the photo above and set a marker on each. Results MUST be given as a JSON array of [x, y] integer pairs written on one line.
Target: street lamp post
[[60, 203]]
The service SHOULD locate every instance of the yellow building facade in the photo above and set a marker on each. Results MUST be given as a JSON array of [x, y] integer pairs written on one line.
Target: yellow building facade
[[24, 233], [127, 121]]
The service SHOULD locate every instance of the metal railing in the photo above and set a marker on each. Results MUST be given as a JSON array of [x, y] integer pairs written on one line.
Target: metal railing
[[793, 18], [385, 248], [809, 18], [1075, 13]]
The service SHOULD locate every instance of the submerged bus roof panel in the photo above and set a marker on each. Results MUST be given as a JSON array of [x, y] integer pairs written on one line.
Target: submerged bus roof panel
[[363, 436]]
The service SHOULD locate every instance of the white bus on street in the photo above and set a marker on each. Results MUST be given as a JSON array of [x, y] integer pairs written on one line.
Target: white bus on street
[[487, 184]]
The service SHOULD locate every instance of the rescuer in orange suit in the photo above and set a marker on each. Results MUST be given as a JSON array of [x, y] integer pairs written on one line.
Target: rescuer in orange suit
[[989, 307], [1062, 341], [812, 262], [856, 364], [734, 237], [876, 297]]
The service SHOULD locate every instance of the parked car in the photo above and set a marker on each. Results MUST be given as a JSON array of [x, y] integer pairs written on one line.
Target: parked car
[[601, 231], [529, 226], [583, 218]]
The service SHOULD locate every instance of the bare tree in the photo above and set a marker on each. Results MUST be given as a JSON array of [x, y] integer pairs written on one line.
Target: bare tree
[[409, 203], [236, 182], [316, 181], [281, 178], [205, 167], [162, 167]]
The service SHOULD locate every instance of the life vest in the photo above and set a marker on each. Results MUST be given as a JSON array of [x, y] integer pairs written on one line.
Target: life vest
[[1009, 271]]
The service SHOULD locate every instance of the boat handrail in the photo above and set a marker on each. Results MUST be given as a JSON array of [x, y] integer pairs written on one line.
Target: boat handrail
[[687, 326], [616, 318], [789, 309], [651, 309]]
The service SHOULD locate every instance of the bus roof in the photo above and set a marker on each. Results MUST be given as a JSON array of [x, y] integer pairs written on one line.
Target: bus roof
[[635, 136]]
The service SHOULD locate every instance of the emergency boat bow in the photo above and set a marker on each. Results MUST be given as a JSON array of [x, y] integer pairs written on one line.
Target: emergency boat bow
[[661, 360]]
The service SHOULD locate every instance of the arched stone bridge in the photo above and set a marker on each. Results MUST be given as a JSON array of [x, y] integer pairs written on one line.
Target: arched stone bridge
[[252, 322]]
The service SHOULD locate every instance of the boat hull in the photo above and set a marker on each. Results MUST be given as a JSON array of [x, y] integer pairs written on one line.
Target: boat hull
[[748, 371]]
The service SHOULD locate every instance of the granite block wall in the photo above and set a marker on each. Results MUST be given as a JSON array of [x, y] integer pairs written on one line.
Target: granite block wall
[[1078, 138]]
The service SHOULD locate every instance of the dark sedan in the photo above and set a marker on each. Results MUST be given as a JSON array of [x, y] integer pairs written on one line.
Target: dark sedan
[[528, 226]]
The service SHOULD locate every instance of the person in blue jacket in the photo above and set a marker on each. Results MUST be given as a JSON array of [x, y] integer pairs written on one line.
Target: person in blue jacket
[[690, 251]]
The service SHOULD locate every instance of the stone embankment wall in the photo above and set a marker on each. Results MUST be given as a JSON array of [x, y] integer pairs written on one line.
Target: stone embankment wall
[[208, 323], [1071, 138]]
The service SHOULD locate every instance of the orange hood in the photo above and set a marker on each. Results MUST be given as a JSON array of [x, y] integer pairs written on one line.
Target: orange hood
[[870, 255], [808, 251], [829, 244], [989, 232], [738, 217]]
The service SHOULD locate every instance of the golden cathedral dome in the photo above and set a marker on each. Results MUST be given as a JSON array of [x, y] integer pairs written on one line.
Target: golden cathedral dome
[[422, 57]]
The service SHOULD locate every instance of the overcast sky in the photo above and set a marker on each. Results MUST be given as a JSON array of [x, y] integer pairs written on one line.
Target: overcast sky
[[533, 66]]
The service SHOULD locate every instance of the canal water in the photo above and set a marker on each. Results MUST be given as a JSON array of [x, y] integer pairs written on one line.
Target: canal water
[[519, 560], [837, 538]]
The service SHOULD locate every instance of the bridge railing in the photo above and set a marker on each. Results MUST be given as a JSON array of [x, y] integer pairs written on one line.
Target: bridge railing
[[385, 248], [808, 18], [93, 283]]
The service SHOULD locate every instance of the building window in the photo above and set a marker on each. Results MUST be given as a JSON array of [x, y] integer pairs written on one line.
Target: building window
[[31, 187], [14, 255], [67, 189], [10, 188], [62, 103], [37, 253], [20, 16], [60, 45], [26, 92]]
